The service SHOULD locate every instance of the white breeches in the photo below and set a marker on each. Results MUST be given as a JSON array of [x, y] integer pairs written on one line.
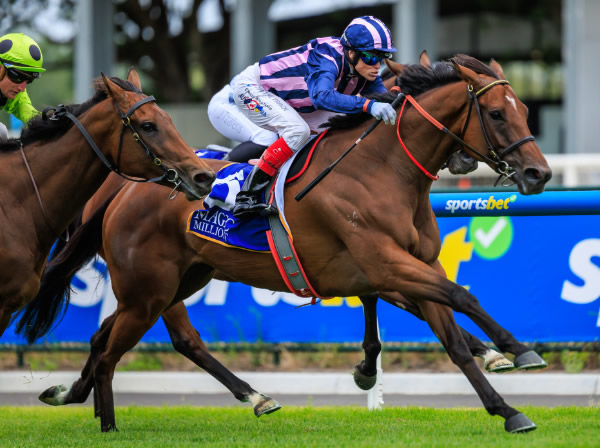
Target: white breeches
[[267, 110], [229, 120]]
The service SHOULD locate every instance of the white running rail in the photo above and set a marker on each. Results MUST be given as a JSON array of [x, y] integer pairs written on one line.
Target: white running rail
[[568, 170]]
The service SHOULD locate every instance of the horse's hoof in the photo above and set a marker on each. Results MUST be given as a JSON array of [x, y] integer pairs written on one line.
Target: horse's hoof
[[54, 396], [266, 406], [498, 364], [109, 428], [530, 361], [363, 381], [519, 423]]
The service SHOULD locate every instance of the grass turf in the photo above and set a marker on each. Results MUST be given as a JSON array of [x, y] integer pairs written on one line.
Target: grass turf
[[294, 427]]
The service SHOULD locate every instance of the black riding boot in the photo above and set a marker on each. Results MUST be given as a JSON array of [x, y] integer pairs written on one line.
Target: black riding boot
[[248, 200]]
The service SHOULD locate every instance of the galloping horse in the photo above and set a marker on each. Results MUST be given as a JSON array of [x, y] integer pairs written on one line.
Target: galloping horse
[[352, 237], [50, 172]]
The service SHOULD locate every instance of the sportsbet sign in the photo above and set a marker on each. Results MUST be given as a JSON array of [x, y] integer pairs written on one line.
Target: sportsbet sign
[[481, 203]]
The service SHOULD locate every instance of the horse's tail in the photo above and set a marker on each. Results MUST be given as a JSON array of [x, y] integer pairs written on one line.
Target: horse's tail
[[54, 295]]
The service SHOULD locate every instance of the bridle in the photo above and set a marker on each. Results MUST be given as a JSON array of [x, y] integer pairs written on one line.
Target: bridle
[[495, 156], [169, 174], [61, 111]]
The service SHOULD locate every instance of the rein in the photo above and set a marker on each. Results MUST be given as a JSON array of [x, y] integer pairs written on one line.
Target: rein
[[39, 197], [495, 155], [168, 173]]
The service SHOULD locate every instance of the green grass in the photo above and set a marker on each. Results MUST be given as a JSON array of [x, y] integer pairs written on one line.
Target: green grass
[[295, 427]]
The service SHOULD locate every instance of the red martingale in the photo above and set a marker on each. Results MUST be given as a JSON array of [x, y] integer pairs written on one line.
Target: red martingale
[[429, 118]]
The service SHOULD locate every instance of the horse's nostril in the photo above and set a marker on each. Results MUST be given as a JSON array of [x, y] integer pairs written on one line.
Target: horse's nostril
[[203, 178], [533, 173], [537, 175]]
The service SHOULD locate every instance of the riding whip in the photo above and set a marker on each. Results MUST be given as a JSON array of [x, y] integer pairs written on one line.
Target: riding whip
[[326, 171]]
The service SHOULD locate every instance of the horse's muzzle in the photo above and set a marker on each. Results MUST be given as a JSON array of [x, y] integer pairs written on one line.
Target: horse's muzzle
[[533, 180]]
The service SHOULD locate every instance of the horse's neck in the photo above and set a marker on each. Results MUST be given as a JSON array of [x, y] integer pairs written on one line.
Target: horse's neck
[[66, 172], [428, 145]]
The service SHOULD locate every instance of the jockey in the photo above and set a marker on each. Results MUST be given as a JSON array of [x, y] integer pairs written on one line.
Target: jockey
[[20, 64], [292, 92]]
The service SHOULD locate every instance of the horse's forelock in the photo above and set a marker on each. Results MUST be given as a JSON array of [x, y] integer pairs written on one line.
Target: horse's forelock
[[125, 85]]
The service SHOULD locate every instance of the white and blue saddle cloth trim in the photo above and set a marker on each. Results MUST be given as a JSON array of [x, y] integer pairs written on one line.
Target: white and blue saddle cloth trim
[[216, 221]]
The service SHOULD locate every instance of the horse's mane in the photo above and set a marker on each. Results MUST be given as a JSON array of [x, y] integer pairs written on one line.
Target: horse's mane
[[43, 129], [415, 79]]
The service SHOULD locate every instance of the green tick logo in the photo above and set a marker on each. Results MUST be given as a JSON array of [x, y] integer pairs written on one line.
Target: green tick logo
[[491, 236]]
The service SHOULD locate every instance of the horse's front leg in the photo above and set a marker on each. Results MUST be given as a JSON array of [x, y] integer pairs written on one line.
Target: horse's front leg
[[365, 373], [187, 341], [441, 321], [400, 271], [525, 358], [492, 360]]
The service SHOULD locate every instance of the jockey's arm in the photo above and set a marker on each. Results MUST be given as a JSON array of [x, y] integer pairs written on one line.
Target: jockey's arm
[[321, 86]]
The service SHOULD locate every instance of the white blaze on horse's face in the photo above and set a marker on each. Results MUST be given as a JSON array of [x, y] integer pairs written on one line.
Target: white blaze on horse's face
[[511, 101]]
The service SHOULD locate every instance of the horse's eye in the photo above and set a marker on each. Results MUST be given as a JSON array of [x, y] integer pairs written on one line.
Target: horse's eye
[[496, 115], [148, 126]]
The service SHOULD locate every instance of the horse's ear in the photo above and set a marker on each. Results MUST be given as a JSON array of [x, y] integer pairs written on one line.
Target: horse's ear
[[494, 65], [394, 67], [134, 78], [466, 73], [112, 88], [424, 59]]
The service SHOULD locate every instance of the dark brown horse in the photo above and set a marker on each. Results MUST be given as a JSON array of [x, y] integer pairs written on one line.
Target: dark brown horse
[[339, 227], [51, 171]]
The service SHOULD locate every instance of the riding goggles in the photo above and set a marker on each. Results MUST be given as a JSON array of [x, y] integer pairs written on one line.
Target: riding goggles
[[17, 76], [372, 58]]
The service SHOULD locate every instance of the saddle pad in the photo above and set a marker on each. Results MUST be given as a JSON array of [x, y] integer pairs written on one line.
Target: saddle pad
[[216, 222], [207, 153]]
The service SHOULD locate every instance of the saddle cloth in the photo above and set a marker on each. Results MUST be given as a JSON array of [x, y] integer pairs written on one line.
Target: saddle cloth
[[216, 222]]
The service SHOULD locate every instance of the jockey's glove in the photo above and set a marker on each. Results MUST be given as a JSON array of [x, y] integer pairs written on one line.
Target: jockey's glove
[[384, 111]]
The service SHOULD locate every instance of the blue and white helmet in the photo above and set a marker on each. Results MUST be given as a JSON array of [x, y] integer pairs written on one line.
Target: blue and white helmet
[[368, 33]]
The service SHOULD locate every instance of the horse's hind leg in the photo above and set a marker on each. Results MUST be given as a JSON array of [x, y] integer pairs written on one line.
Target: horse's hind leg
[[80, 389], [365, 372], [441, 321], [187, 341], [129, 326]]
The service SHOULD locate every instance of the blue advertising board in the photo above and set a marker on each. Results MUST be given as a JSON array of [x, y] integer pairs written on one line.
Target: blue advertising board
[[538, 276]]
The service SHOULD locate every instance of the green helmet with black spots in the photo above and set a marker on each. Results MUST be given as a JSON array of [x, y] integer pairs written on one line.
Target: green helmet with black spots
[[17, 50]]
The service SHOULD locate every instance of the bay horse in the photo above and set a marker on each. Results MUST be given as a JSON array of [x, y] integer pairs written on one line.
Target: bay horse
[[350, 240], [50, 172]]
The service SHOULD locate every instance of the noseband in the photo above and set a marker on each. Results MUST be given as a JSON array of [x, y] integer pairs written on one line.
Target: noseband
[[169, 174], [494, 156]]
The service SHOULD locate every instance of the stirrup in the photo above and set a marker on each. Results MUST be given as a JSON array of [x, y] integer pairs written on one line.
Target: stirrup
[[269, 210]]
